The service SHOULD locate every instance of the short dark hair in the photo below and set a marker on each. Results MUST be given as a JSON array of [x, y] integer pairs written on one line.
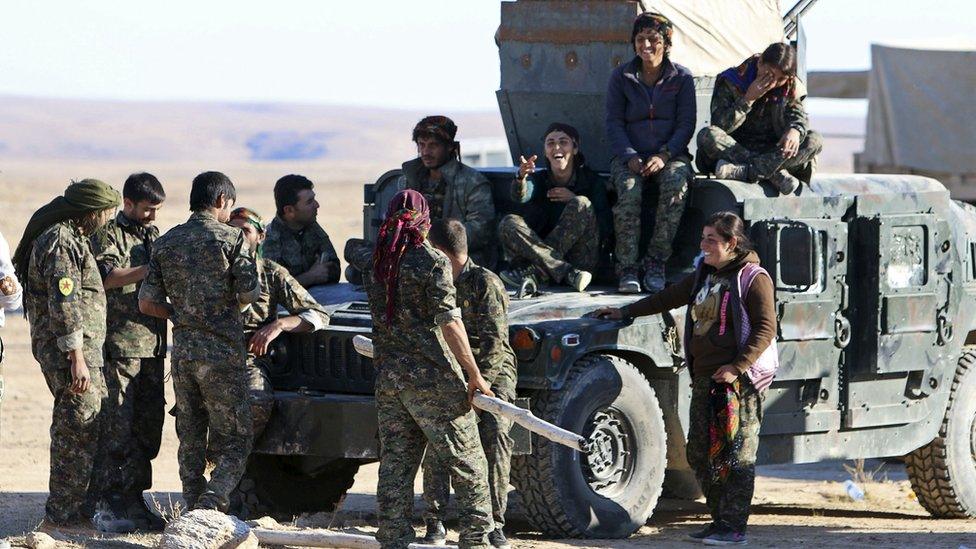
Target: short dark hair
[[140, 187], [208, 187], [729, 225], [782, 56], [656, 22], [286, 191], [450, 235]]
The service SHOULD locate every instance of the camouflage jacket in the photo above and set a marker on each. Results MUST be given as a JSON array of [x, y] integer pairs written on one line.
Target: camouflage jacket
[[297, 251], [484, 310], [122, 244], [760, 124], [466, 197], [410, 352], [204, 268], [279, 289], [65, 301]]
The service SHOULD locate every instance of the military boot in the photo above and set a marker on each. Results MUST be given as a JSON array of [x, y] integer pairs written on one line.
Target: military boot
[[436, 533]]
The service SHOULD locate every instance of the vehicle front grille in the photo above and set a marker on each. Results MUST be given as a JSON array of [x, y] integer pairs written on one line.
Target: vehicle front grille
[[323, 361]]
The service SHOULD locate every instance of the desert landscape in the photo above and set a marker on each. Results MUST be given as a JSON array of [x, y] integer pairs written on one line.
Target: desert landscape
[[44, 143]]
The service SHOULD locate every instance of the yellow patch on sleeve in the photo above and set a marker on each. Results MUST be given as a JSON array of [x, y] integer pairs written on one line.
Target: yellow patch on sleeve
[[66, 285]]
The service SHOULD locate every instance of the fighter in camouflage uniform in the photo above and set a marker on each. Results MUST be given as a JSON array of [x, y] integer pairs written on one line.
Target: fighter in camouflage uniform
[[261, 321], [205, 268], [295, 240], [135, 347], [452, 190], [759, 126], [419, 341], [66, 307], [566, 221], [650, 121], [484, 310]]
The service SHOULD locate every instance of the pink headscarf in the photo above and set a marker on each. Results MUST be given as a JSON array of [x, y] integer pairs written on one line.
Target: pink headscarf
[[406, 226]]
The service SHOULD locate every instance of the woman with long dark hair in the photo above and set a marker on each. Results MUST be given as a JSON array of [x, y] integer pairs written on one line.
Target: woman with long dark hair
[[759, 126], [730, 330], [650, 121]]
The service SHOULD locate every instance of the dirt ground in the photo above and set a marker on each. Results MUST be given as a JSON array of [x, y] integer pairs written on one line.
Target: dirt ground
[[795, 506]]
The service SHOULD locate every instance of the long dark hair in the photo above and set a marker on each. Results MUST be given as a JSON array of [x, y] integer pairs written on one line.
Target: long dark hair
[[782, 56], [729, 226]]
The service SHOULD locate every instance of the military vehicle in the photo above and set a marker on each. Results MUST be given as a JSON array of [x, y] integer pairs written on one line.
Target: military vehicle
[[875, 278]]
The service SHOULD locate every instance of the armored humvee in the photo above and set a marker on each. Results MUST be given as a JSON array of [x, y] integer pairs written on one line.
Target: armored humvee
[[875, 281]]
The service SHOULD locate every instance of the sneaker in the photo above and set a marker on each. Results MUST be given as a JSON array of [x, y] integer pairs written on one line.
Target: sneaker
[[497, 539], [628, 284], [436, 534], [725, 538], [578, 280], [727, 170], [708, 530], [785, 182], [654, 279], [517, 276]]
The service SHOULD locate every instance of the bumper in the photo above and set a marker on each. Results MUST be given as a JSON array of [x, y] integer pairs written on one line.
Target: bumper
[[327, 425]]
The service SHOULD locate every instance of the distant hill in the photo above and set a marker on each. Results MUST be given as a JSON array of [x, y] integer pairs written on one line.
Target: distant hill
[[68, 129]]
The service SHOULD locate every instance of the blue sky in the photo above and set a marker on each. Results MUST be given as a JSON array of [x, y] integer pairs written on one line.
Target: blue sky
[[416, 54]]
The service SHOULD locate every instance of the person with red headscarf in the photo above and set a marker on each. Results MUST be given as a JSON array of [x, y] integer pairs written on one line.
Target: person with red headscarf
[[420, 348]]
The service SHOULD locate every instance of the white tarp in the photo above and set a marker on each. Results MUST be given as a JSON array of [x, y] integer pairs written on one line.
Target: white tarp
[[921, 109], [713, 35]]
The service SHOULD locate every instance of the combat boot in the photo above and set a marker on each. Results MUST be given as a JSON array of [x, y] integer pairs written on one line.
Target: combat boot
[[578, 280], [628, 283], [784, 182], [497, 539], [727, 170], [436, 534], [654, 276]]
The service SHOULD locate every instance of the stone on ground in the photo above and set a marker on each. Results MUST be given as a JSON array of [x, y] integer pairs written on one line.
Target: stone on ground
[[207, 529]]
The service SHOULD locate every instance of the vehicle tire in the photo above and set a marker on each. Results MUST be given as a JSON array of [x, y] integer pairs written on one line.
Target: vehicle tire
[[612, 492], [278, 487], [943, 472]]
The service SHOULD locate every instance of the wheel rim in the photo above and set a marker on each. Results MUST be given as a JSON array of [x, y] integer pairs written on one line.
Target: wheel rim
[[609, 464]]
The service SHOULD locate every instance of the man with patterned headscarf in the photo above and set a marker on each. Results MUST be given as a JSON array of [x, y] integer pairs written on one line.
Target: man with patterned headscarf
[[66, 308], [451, 189], [421, 348]]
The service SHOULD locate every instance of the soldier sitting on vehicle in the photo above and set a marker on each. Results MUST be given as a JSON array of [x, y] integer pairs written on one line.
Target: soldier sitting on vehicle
[[650, 120], [759, 126], [295, 240], [484, 311], [452, 189], [261, 321], [568, 218]]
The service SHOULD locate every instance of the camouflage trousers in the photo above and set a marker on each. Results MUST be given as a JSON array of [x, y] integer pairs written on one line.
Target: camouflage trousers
[[493, 431], [75, 431], [764, 160], [728, 502], [211, 400], [132, 426], [573, 243], [410, 420], [672, 183], [260, 393]]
